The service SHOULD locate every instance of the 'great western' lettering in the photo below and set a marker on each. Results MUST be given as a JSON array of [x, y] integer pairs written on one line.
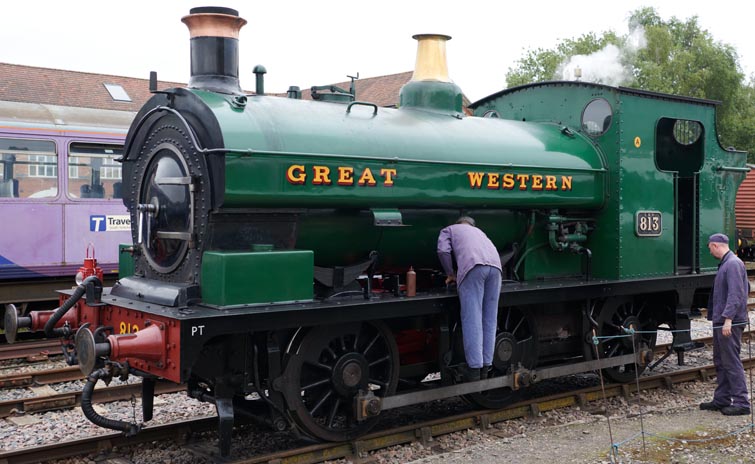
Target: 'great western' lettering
[[518, 181], [298, 174]]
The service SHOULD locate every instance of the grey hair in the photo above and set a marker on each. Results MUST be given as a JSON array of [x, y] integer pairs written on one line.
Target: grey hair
[[466, 220]]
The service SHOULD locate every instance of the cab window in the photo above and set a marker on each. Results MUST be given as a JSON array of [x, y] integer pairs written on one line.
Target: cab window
[[596, 117]]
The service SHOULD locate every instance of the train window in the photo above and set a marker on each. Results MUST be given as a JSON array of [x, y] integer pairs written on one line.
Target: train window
[[491, 114], [28, 168], [93, 171], [687, 132], [679, 146], [596, 117]]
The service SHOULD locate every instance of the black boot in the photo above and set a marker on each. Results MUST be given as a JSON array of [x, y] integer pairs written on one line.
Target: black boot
[[471, 374], [485, 372]]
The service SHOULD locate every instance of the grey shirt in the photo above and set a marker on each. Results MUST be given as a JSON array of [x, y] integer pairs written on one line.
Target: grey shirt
[[470, 246], [729, 297]]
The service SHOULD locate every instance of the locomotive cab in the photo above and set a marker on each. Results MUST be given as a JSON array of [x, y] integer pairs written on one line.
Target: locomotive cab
[[666, 164]]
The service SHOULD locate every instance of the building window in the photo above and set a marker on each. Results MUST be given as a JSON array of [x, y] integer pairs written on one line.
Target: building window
[[43, 166]]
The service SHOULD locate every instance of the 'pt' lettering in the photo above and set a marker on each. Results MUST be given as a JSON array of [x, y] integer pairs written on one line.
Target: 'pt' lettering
[[197, 330]]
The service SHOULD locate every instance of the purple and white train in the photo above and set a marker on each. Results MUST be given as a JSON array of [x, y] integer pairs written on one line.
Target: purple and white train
[[60, 195]]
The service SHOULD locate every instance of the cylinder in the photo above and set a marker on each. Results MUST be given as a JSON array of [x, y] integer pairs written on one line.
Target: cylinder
[[411, 282]]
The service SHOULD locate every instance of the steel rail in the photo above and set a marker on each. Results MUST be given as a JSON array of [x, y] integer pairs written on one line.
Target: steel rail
[[69, 400], [42, 377], [174, 432], [34, 348]]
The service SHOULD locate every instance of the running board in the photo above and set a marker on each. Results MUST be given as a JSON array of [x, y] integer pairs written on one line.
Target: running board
[[369, 405]]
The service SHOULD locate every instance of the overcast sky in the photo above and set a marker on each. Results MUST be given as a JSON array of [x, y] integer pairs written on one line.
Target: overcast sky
[[308, 43]]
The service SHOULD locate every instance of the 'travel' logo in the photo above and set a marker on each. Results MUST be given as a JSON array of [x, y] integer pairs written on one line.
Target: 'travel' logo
[[114, 223], [97, 224]]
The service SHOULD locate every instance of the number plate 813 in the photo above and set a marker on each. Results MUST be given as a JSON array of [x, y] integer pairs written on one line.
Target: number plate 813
[[648, 223]]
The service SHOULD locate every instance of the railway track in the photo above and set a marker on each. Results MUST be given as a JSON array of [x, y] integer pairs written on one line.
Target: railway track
[[422, 431], [69, 400], [325, 451], [45, 377], [33, 350]]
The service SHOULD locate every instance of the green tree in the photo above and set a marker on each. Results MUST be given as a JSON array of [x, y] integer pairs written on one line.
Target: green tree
[[678, 58], [543, 65]]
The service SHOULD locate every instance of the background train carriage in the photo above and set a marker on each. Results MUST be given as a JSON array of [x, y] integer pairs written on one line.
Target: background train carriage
[[745, 210], [60, 191]]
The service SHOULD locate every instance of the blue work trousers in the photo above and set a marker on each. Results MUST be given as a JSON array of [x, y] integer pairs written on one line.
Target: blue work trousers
[[478, 294], [730, 374]]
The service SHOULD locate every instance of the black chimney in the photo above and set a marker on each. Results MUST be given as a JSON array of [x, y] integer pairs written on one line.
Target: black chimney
[[214, 48]]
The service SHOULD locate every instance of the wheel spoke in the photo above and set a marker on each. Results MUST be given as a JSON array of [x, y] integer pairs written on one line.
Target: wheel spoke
[[381, 360], [371, 344], [316, 384], [521, 321], [320, 365], [321, 402], [622, 311], [524, 341], [613, 350], [639, 313], [332, 353], [333, 412]]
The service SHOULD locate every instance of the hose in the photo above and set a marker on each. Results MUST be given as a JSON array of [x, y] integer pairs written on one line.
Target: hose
[[50, 329], [587, 252], [524, 255], [91, 414]]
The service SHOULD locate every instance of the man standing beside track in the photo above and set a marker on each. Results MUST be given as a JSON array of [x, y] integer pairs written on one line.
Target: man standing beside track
[[478, 278], [727, 308]]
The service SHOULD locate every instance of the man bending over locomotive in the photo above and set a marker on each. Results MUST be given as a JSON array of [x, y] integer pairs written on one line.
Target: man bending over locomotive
[[727, 308], [478, 279]]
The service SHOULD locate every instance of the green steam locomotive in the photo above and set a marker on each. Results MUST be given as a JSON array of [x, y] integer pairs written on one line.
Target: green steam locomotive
[[273, 238]]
